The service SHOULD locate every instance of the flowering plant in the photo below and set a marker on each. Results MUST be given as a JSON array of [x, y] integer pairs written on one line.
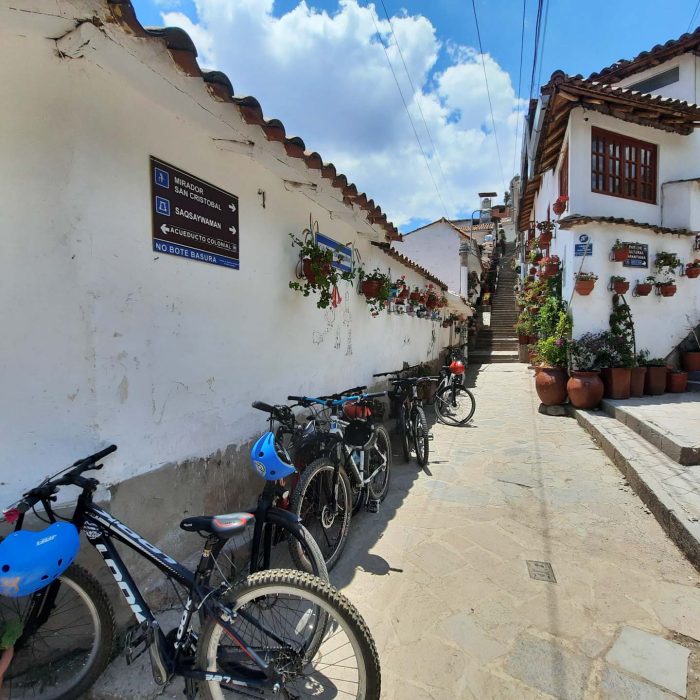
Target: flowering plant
[[550, 260], [620, 245], [585, 276], [585, 352]]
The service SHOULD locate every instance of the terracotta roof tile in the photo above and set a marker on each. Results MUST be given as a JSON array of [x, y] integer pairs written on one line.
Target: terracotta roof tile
[[184, 53], [579, 219]]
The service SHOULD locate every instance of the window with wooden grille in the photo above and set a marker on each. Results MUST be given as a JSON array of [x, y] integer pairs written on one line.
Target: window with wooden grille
[[564, 175], [623, 167]]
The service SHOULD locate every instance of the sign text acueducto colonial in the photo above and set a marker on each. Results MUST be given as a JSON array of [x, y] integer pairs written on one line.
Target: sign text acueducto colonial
[[192, 218]]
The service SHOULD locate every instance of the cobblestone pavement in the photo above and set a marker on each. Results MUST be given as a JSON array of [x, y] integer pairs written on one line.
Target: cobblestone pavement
[[441, 574]]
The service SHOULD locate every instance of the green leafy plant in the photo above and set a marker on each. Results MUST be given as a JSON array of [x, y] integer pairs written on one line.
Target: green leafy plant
[[620, 245], [321, 276], [555, 334], [618, 278], [525, 325], [667, 262], [585, 352], [622, 332], [376, 302], [585, 276], [643, 360]]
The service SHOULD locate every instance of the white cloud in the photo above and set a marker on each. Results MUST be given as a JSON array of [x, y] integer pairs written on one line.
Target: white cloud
[[326, 77]]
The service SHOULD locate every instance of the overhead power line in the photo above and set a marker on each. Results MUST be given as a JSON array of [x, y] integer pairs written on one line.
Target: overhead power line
[[420, 109], [695, 11], [410, 118], [520, 82], [538, 26], [488, 93], [544, 39]]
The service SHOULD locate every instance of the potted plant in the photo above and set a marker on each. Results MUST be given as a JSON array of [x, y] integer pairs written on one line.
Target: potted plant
[[534, 256], [417, 296], [550, 265], [676, 381], [584, 282], [585, 387], [690, 359], [317, 270], [643, 289], [619, 284], [655, 380], [550, 356], [546, 228], [667, 262], [620, 251], [376, 288], [559, 206], [399, 290], [525, 328], [666, 287], [432, 300], [692, 269], [616, 366]]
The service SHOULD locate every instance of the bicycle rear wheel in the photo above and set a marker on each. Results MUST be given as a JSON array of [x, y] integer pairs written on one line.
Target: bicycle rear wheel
[[337, 658], [455, 406], [379, 458], [420, 435], [66, 645], [403, 428], [324, 504]]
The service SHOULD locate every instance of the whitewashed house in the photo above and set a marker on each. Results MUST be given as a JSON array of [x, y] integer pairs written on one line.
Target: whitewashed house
[[622, 145], [146, 213]]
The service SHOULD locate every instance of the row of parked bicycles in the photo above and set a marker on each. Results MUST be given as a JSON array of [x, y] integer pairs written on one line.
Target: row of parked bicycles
[[246, 629]]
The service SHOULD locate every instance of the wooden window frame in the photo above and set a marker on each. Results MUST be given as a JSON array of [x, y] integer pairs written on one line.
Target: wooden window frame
[[622, 142], [564, 175]]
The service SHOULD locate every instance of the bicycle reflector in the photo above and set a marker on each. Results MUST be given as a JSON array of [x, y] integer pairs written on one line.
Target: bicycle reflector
[[266, 462], [353, 410], [32, 560], [457, 367]]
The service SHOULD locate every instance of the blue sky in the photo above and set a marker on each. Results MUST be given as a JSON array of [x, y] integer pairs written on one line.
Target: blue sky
[[325, 54]]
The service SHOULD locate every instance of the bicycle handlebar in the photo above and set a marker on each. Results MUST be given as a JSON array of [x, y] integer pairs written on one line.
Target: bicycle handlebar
[[396, 371], [332, 402]]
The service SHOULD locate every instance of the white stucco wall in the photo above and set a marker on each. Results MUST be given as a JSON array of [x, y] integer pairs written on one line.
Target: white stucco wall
[[106, 341], [683, 89], [436, 248], [660, 323]]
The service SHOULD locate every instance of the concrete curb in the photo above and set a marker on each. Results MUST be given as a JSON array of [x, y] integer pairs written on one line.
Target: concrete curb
[[669, 512]]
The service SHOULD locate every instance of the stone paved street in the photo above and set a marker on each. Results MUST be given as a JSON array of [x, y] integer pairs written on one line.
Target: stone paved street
[[441, 576]]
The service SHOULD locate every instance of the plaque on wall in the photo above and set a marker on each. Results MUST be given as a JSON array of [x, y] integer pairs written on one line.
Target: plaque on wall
[[638, 255]]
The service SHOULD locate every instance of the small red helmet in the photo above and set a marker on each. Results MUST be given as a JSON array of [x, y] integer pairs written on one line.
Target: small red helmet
[[457, 367], [354, 410]]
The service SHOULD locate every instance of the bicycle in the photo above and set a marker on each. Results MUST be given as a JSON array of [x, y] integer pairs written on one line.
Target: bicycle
[[411, 423], [354, 472], [454, 403], [279, 622]]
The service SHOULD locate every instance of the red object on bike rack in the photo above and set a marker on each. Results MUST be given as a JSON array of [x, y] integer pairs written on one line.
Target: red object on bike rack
[[457, 367]]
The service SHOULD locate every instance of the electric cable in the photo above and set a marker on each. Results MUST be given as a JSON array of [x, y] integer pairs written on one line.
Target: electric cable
[[538, 25], [520, 81], [695, 11], [544, 39], [488, 94]]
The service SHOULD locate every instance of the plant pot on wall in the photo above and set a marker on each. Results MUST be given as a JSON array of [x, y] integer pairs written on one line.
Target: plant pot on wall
[[642, 289], [550, 384], [692, 272], [585, 389], [584, 287], [667, 289], [637, 381], [676, 381], [655, 381], [307, 265], [371, 288], [690, 361], [621, 287], [616, 381]]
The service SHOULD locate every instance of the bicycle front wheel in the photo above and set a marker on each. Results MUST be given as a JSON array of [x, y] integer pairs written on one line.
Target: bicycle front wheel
[[403, 427], [323, 501], [306, 629], [455, 406], [379, 461], [65, 645], [420, 435]]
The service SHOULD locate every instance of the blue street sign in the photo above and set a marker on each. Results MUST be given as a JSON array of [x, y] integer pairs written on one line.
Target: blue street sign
[[161, 177], [342, 254], [581, 249], [163, 206], [184, 251]]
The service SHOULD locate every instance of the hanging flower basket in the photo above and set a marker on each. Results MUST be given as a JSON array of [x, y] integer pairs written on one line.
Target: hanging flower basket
[[550, 266], [692, 269], [620, 251], [584, 286], [619, 285], [559, 207], [643, 289], [371, 288], [545, 238], [666, 289], [315, 270]]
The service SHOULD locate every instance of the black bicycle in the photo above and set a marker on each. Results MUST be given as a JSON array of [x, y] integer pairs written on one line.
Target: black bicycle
[[454, 403], [407, 407], [279, 633]]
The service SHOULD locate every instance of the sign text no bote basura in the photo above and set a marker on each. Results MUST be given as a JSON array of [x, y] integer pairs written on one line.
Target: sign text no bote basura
[[192, 218]]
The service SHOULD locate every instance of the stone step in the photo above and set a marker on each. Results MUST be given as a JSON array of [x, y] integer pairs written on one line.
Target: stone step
[[669, 490], [669, 422]]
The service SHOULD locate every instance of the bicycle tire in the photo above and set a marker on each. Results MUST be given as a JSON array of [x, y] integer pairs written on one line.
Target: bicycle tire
[[318, 597], [31, 677], [402, 423], [444, 404], [420, 436], [378, 488], [314, 516]]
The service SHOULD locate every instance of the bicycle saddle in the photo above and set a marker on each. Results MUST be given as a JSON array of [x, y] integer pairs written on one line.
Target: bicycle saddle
[[223, 526]]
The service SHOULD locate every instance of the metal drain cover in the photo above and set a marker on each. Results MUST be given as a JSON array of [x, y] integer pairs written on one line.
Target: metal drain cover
[[541, 571]]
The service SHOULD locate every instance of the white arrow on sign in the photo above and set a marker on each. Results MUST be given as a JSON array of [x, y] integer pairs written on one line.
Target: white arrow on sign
[[232, 207], [164, 228], [232, 229]]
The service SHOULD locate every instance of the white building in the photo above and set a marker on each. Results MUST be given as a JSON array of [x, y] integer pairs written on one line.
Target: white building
[[107, 336], [622, 146]]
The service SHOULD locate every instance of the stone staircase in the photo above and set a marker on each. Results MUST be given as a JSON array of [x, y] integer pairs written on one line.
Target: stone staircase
[[498, 342]]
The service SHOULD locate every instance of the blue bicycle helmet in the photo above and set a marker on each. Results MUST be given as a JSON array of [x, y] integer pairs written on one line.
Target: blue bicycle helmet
[[32, 560], [266, 462]]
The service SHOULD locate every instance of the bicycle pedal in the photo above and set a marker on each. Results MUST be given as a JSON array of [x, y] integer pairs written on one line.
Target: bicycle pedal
[[372, 506]]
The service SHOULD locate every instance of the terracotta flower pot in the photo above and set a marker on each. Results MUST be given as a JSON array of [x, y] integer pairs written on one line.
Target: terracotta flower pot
[[621, 254], [692, 272], [655, 381], [616, 381], [550, 384], [585, 389], [621, 287], [637, 381], [308, 272], [546, 238], [642, 289], [432, 303], [559, 208], [415, 296], [584, 287], [667, 290], [533, 270], [534, 310], [532, 339], [522, 339], [676, 382], [550, 269], [402, 295], [690, 361], [371, 288]]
